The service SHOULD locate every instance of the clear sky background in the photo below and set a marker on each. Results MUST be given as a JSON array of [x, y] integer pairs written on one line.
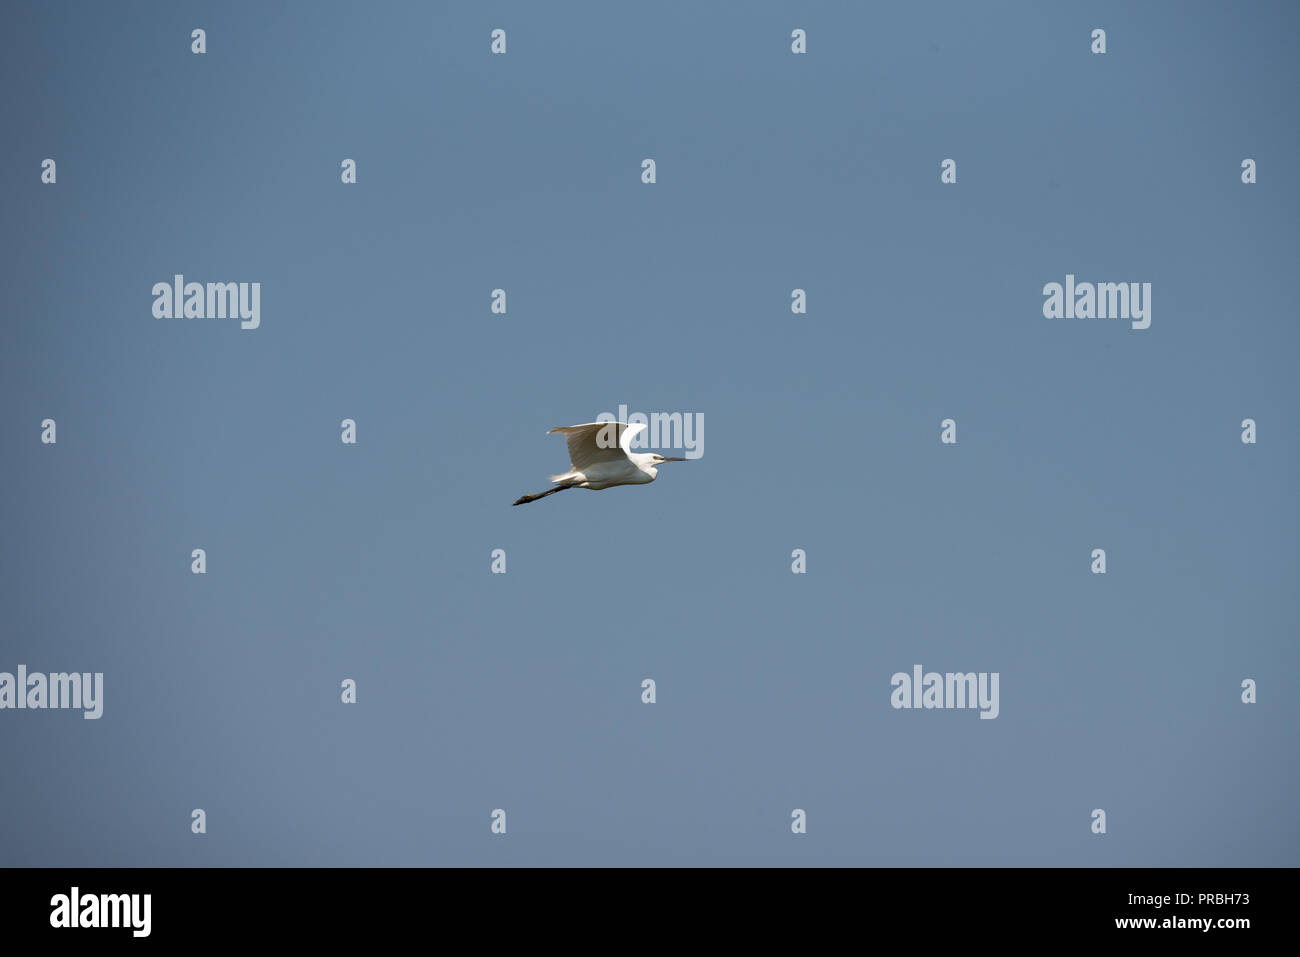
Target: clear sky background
[[522, 691]]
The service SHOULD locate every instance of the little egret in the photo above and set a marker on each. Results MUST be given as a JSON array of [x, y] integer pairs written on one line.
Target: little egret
[[599, 458]]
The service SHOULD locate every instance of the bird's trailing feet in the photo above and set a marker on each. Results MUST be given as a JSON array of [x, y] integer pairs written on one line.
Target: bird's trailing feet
[[525, 499]]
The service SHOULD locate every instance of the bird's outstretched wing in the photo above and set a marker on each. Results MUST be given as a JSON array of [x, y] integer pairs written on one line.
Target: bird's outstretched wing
[[598, 442]]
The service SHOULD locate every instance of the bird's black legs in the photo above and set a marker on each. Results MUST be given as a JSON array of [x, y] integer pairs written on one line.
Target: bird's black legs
[[525, 499]]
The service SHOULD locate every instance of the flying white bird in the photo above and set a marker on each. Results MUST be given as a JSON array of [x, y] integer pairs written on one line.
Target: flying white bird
[[599, 457]]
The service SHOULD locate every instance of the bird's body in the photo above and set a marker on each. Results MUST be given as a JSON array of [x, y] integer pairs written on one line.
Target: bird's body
[[600, 457], [608, 474]]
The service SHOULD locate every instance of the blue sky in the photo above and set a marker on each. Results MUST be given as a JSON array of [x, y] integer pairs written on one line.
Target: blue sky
[[522, 691]]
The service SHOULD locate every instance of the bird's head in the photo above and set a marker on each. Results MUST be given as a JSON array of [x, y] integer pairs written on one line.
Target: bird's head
[[650, 462]]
